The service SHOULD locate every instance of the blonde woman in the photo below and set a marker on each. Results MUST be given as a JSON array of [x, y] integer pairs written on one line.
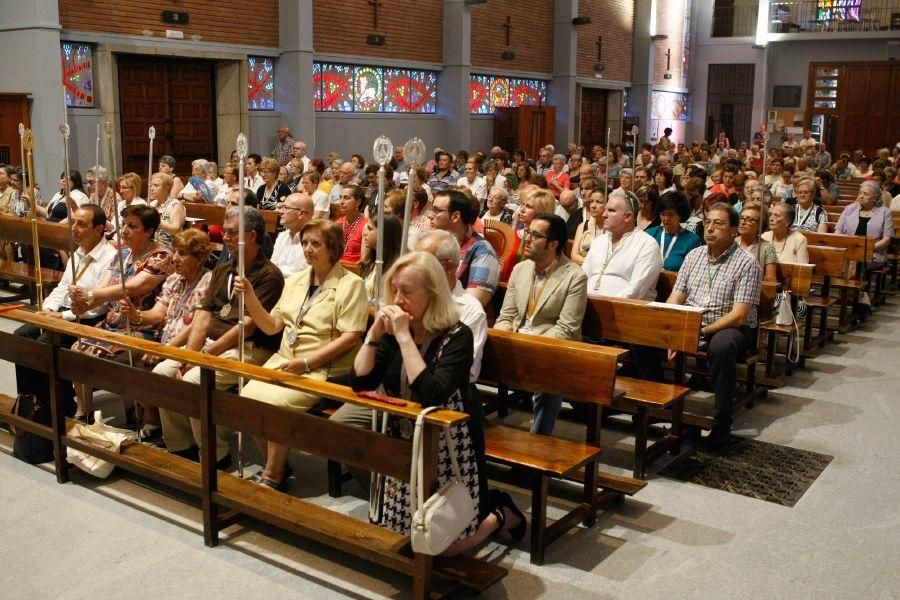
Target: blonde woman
[[588, 230], [417, 348]]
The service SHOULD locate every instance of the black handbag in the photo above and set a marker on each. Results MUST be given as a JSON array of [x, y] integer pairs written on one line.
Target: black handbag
[[27, 446]]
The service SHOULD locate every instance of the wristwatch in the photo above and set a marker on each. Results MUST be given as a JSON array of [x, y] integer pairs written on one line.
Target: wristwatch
[[371, 342]]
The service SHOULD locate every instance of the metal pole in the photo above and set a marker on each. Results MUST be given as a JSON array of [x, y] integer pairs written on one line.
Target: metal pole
[[608, 132], [242, 155], [27, 142], [96, 169], [379, 244], [64, 132], [407, 212]]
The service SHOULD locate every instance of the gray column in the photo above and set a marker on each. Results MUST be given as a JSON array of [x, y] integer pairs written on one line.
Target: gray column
[[453, 82], [563, 93], [29, 44], [293, 76], [641, 94]]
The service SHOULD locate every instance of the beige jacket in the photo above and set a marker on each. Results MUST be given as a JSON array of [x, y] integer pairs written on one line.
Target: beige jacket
[[560, 308]]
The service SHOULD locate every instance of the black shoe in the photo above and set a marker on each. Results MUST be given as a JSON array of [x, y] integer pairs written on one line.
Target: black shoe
[[718, 438], [278, 486], [517, 532], [224, 463]]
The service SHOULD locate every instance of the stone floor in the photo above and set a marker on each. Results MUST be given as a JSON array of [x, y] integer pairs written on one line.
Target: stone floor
[[121, 537]]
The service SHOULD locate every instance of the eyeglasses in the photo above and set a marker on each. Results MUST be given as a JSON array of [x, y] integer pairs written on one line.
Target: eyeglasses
[[749, 219], [716, 223], [287, 208], [527, 233], [230, 232], [437, 211]]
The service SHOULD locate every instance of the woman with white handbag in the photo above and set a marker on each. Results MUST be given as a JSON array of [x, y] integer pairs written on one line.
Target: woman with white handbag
[[418, 349]]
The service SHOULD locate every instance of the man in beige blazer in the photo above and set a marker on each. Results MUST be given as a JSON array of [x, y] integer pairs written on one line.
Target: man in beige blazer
[[546, 295]]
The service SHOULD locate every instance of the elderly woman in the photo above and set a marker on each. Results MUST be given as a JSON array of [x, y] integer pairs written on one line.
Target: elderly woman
[[750, 228], [674, 240], [272, 192], [352, 222], [393, 233], [167, 166], [790, 246], [322, 313], [810, 217], [557, 179], [590, 229], [171, 211], [496, 207], [417, 348], [174, 311], [147, 265], [865, 217], [201, 169]]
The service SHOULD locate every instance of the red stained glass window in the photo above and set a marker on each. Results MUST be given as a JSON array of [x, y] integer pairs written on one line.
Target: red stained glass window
[[260, 83], [487, 93], [365, 88], [77, 74]]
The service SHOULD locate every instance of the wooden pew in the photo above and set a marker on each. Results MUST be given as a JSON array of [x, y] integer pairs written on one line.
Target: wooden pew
[[859, 249], [363, 448], [214, 214], [829, 263], [795, 278], [653, 325], [534, 363], [53, 236]]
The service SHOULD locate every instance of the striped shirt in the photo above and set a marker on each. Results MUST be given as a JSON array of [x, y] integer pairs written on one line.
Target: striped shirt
[[717, 284]]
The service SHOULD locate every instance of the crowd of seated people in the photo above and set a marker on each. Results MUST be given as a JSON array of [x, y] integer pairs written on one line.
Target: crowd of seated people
[[584, 223]]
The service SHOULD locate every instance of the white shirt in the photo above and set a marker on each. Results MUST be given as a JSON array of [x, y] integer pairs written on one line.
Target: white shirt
[[321, 202], [472, 315], [895, 203], [288, 254], [477, 187], [101, 256], [631, 269], [221, 198], [121, 205], [78, 196], [253, 183]]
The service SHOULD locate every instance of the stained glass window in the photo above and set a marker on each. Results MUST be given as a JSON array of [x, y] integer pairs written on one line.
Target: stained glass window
[[838, 10], [487, 93], [365, 88], [260, 83], [670, 106], [78, 74]]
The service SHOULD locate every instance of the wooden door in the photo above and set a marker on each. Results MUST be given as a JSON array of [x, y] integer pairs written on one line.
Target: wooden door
[[593, 118], [13, 110], [177, 98]]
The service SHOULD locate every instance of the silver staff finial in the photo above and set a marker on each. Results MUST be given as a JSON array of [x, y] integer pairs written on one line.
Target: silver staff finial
[[242, 146], [21, 129], [383, 150], [64, 130], [152, 132], [414, 151]]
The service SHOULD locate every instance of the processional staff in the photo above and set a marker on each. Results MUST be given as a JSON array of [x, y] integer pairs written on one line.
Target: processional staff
[[242, 148], [414, 152], [383, 150], [26, 138]]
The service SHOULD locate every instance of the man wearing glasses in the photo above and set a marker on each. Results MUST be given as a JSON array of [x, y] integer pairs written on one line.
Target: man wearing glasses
[[546, 296], [724, 281], [296, 212]]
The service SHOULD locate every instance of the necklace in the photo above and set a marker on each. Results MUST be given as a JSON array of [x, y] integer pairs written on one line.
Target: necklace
[[610, 254], [349, 231]]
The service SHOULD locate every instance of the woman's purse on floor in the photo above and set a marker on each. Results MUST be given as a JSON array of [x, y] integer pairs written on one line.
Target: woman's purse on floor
[[99, 435], [439, 521], [784, 315], [27, 446]]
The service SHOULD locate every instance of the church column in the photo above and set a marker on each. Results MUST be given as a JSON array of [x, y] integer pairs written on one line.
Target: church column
[[29, 44], [641, 94], [563, 93], [293, 79], [453, 82]]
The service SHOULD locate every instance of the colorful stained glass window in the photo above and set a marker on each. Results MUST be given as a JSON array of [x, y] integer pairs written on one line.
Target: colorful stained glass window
[[838, 10], [365, 88], [487, 93], [260, 83], [670, 106], [78, 74]]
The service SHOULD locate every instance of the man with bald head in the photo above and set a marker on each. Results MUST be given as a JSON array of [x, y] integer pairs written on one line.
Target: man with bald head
[[346, 172], [296, 212], [568, 211]]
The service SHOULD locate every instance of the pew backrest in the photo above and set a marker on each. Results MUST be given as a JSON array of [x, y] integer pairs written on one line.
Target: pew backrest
[[214, 214], [795, 277], [54, 236], [859, 248], [828, 260]]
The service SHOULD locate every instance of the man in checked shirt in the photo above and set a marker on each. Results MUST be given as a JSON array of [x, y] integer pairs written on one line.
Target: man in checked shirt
[[724, 280]]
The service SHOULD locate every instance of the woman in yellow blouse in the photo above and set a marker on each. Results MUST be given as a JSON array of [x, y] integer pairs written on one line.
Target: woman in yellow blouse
[[322, 313]]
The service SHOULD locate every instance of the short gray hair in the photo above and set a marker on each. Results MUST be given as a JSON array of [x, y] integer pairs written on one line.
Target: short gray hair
[[806, 181], [203, 165], [446, 248], [876, 189], [99, 172], [558, 157], [253, 220], [502, 192]]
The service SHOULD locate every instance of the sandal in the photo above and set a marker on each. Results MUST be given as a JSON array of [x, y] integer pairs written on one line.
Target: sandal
[[278, 486]]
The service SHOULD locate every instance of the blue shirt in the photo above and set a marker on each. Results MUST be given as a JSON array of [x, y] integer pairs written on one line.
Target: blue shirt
[[676, 247]]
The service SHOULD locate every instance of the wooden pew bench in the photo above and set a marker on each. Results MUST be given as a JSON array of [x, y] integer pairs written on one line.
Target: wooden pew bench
[[53, 236], [213, 214], [794, 278], [579, 372], [849, 285], [646, 324], [363, 448], [829, 263]]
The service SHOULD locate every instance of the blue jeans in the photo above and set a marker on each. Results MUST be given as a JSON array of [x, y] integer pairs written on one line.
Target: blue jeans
[[546, 408]]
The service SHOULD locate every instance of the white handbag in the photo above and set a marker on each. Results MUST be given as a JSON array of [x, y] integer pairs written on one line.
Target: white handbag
[[784, 315], [439, 521], [100, 435]]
